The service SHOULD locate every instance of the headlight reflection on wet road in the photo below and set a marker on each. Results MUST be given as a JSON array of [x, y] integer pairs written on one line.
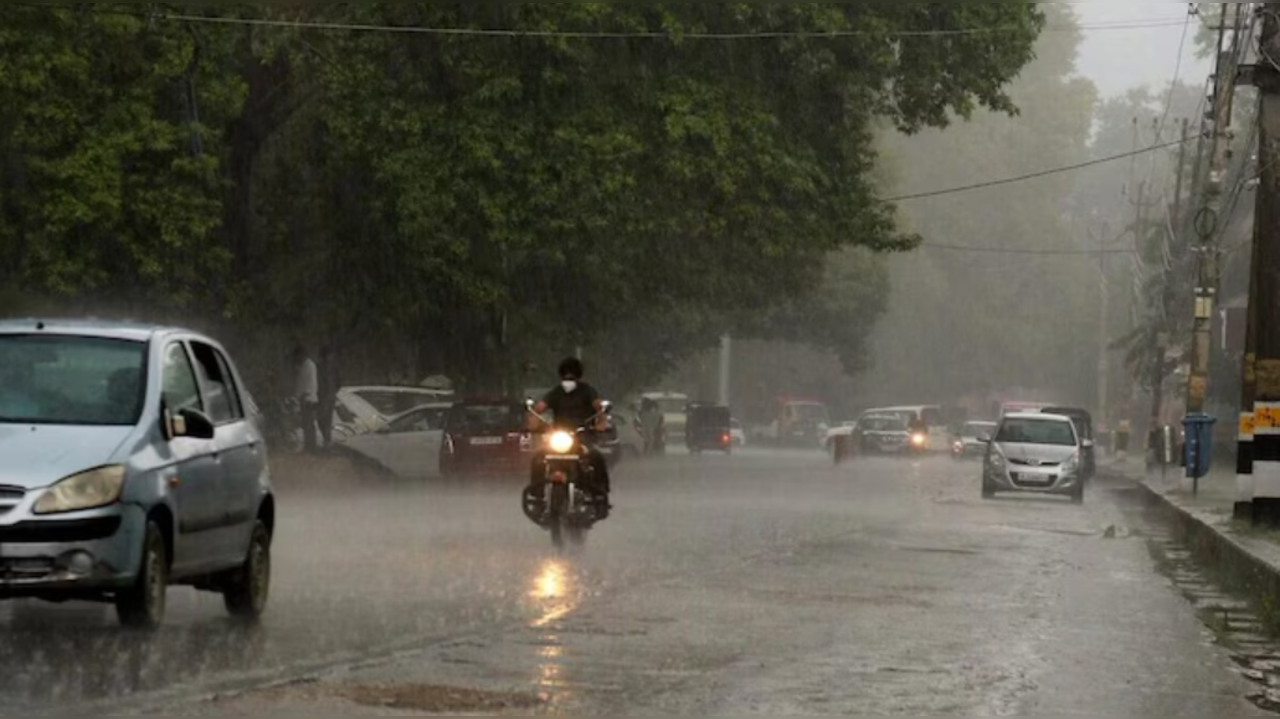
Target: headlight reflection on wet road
[[554, 593]]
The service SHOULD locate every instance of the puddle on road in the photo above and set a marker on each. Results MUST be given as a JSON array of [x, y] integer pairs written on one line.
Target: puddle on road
[[437, 700]]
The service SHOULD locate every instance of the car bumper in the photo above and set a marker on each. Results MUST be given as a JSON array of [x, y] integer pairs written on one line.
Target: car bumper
[[1033, 481], [69, 556]]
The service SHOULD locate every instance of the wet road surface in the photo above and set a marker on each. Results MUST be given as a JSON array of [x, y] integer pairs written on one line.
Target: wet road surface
[[764, 583]]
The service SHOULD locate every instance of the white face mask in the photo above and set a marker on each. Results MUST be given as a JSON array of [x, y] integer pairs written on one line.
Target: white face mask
[[569, 386]]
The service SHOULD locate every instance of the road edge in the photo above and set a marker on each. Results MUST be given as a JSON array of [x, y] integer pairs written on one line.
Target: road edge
[[1238, 567]]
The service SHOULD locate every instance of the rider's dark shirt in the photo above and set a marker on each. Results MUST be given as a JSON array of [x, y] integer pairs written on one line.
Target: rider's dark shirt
[[572, 410]]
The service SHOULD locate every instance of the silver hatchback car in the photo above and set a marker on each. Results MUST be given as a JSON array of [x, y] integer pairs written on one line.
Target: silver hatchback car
[[1035, 453], [132, 463]]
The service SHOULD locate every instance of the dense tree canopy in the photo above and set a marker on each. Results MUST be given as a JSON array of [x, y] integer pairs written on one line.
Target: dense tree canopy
[[634, 178]]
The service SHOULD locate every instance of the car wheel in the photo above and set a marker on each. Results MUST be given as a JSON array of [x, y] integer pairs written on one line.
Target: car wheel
[[248, 587], [142, 606]]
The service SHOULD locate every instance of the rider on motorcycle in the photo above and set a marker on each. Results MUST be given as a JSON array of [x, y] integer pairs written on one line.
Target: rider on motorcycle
[[572, 404]]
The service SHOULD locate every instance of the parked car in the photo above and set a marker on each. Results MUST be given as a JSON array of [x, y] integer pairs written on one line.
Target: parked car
[[393, 401], [131, 464], [1035, 453], [487, 436], [409, 446], [968, 443]]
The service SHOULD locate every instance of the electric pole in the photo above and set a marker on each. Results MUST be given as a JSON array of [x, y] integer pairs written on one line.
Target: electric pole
[[1207, 222], [1104, 330], [1166, 308], [1262, 354]]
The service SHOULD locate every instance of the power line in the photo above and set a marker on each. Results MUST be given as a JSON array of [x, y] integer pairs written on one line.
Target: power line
[[1035, 175], [606, 35], [1177, 75], [1023, 251]]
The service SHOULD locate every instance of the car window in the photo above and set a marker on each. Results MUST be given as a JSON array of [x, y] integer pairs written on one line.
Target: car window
[[482, 418], [181, 389], [218, 390], [1037, 431], [71, 380], [425, 420]]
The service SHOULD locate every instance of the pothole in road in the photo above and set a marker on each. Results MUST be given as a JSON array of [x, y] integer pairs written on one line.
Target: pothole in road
[[1235, 622], [437, 700]]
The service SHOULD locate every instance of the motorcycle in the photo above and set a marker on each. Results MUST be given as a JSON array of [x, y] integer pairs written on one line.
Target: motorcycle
[[566, 509]]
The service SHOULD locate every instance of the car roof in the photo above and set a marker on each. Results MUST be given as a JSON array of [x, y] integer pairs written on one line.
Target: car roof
[[100, 329], [1038, 415]]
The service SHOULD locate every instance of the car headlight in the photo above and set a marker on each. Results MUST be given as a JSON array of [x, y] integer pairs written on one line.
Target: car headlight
[[96, 488], [1071, 465], [562, 443], [995, 460]]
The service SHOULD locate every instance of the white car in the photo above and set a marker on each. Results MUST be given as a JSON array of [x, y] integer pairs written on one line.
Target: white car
[[846, 429], [408, 446], [737, 433]]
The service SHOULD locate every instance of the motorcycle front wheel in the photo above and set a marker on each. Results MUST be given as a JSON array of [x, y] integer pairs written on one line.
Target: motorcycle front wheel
[[556, 516]]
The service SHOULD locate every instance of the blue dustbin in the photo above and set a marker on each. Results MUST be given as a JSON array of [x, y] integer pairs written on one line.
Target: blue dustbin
[[1198, 451]]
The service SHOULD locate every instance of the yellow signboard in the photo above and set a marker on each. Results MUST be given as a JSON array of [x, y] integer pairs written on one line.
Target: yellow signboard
[[1247, 425], [1266, 417]]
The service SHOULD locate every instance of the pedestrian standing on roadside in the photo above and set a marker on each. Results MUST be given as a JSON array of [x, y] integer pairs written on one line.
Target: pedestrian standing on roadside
[[307, 390], [330, 381]]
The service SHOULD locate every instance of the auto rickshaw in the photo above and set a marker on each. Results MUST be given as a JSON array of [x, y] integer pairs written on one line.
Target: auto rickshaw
[[709, 428]]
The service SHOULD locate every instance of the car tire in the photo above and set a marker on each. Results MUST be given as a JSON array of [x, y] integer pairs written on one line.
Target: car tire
[[142, 606], [248, 588]]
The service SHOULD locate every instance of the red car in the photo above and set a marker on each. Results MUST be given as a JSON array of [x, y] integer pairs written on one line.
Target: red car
[[489, 437]]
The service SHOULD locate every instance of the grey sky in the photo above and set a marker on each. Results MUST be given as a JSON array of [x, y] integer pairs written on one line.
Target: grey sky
[[1117, 60]]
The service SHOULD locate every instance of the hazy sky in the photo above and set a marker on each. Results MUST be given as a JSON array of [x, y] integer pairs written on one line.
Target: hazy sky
[[1117, 60]]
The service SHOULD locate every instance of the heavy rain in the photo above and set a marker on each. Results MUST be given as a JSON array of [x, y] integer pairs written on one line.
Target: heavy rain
[[415, 359]]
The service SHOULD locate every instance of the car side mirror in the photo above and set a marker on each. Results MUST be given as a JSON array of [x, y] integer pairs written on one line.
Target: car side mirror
[[985, 438], [191, 423], [1087, 444]]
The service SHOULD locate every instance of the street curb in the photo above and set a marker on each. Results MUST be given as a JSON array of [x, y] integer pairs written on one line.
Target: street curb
[[1234, 565]]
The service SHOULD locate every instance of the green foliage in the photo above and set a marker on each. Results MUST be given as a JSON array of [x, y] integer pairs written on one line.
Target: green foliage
[[484, 200]]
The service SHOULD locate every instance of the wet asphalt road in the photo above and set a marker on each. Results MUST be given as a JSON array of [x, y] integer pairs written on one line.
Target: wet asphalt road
[[765, 583]]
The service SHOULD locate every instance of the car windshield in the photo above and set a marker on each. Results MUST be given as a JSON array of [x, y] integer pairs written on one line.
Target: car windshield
[[977, 429], [811, 412], [885, 424], [1037, 431], [672, 406], [62, 380], [484, 418]]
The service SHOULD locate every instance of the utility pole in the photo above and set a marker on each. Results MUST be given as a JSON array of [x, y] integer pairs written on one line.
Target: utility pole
[[726, 367], [1104, 330], [1262, 355], [1207, 224], [1176, 232]]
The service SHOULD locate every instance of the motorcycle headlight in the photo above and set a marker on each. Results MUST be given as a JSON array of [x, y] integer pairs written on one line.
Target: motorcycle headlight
[[94, 489], [919, 440], [562, 443]]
